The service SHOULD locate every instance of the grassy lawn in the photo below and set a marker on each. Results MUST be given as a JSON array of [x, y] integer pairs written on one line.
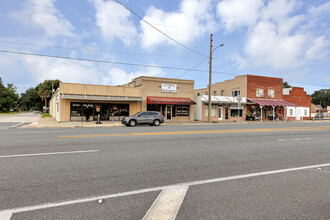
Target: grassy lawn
[[12, 113], [44, 115]]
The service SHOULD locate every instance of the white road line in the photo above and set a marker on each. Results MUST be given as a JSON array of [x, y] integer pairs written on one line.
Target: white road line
[[280, 140], [38, 131], [17, 125], [5, 216], [51, 153], [167, 204], [153, 189], [296, 139]]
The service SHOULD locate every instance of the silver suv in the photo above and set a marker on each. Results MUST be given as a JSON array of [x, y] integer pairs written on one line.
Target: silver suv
[[147, 117]]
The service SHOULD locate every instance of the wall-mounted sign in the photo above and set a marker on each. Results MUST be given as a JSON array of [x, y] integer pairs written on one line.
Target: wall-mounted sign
[[98, 108], [172, 88], [114, 107]]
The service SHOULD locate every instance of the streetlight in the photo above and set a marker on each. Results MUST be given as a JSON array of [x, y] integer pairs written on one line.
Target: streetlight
[[210, 77]]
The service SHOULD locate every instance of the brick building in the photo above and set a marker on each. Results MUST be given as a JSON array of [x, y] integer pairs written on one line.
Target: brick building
[[265, 99], [298, 96]]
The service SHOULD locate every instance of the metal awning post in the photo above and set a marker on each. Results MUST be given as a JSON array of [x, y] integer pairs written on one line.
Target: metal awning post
[[261, 113], [273, 113], [285, 113]]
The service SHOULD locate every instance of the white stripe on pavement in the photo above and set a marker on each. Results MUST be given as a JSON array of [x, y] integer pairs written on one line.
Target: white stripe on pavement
[[51, 153], [17, 125], [167, 204], [153, 189], [5, 216]]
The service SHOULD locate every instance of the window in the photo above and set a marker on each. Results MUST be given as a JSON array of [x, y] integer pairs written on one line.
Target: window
[[236, 111], [290, 112], [271, 93], [213, 110], [182, 110], [198, 94], [206, 93], [222, 92], [235, 93], [214, 92], [306, 112], [260, 92]]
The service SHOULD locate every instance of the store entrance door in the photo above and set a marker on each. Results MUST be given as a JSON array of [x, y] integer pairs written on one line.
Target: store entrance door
[[220, 113], [227, 112], [168, 112]]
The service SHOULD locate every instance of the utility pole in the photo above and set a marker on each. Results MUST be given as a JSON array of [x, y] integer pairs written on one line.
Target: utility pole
[[210, 81]]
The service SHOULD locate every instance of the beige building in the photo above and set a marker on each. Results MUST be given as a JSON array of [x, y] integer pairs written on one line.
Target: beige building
[[81, 102], [172, 97], [227, 88]]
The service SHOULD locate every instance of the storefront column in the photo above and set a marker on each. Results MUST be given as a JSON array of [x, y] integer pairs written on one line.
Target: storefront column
[[273, 113], [261, 113]]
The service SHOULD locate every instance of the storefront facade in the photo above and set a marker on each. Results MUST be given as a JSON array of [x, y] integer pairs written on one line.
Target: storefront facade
[[173, 97], [266, 99], [82, 102], [222, 108]]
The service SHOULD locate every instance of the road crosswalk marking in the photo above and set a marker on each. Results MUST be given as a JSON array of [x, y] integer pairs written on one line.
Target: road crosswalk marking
[[167, 204]]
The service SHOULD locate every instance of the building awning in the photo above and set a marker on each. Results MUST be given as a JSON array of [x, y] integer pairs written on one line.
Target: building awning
[[268, 102], [170, 101], [223, 99]]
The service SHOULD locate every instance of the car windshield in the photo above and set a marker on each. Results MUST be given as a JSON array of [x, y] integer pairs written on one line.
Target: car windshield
[[136, 113]]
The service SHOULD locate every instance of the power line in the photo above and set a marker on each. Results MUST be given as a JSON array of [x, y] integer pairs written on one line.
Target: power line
[[93, 14], [192, 68], [159, 30], [90, 50], [98, 61], [133, 64]]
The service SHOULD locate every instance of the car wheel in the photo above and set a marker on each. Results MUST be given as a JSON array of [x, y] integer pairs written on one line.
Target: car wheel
[[156, 122], [132, 123]]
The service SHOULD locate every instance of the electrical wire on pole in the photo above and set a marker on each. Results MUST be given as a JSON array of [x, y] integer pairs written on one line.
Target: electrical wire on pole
[[142, 19]]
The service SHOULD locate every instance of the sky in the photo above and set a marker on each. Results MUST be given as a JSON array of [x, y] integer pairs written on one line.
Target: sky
[[289, 39]]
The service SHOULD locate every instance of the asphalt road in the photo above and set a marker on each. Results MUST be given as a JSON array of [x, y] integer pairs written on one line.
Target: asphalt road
[[250, 171]]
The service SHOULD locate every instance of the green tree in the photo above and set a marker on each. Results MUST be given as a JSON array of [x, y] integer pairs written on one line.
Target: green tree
[[30, 100], [44, 89], [321, 96], [8, 97], [286, 85]]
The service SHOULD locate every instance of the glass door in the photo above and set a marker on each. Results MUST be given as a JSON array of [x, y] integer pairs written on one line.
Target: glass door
[[168, 112], [220, 112], [227, 112]]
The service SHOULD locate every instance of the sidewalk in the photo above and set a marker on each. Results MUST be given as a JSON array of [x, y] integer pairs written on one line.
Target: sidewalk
[[49, 122]]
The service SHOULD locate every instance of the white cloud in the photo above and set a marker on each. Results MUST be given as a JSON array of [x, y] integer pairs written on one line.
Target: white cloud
[[266, 46], [316, 50], [192, 20], [277, 36], [117, 76], [42, 68], [114, 21], [44, 15], [235, 14]]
